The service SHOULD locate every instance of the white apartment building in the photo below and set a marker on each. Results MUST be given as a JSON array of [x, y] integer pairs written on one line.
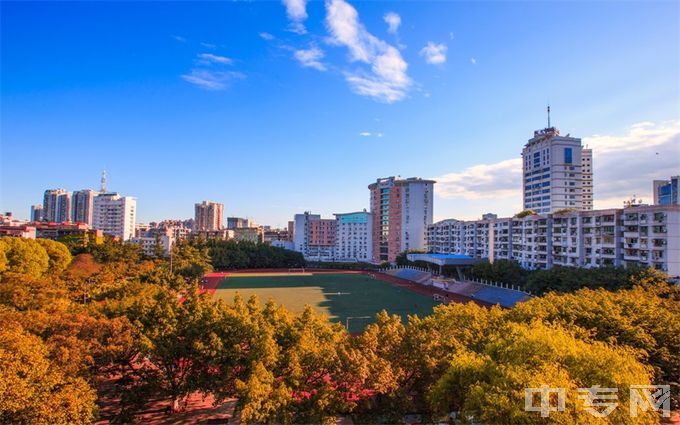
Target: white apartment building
[[636, 235], [353, 240], [553, 173], [115, 215], [53, 208], [587, 179]]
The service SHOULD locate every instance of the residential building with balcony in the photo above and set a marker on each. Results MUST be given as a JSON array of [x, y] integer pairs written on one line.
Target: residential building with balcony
[[635, 235]]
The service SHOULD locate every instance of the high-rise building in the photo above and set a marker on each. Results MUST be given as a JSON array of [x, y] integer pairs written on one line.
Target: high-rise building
[[83, 206], [208, 216], [666, 191], [553, 177], [36, 212], [64, 208], [401, 211], [51, 204], [115, 215], [587, 178]]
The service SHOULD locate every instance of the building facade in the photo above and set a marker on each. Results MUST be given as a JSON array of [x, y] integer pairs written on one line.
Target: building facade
[[115, 215], [401, 211], [346, 238], [36, 212], [83, 206], [557, 173], [208, 216], [51, 205], [236, 222], [636, 235], [666, 191], [354, 235]]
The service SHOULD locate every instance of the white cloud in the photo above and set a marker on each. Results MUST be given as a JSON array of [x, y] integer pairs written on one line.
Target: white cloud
[[209, 58], [311, 58], [387, 80], [211, 80], [473, 61], [501, 180], [393, 21], [266, 36], [624, 165], [297, 13], [434, 53], [369, 134], [208, 45], [451, 36], [179, 38]]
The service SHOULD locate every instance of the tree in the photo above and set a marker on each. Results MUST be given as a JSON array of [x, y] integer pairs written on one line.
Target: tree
[[186, 346], [488, 385], [59, 255], [190, 260], [638, 318], [34, 390], [25, 256], [525, 213]]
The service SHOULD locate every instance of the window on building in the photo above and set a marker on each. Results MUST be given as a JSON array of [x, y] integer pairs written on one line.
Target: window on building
[[568, 155]]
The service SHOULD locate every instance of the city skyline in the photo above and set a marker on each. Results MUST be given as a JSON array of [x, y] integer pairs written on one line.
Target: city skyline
[[147, 113]]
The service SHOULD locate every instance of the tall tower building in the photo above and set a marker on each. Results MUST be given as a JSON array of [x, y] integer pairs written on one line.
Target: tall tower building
[[208, 216], [587, 178], [554, 172], [83, 206], [115, 215], [64, 208], [401, 211], [36, 212], [51, 204]]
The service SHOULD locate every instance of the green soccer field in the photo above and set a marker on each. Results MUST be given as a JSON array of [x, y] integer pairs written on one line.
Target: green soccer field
[[339, 296]]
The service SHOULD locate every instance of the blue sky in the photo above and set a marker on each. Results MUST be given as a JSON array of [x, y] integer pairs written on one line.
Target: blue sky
[[275, 108]]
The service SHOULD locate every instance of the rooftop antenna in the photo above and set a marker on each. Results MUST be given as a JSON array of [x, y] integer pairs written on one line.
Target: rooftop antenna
[[103, 180], [548, 115]]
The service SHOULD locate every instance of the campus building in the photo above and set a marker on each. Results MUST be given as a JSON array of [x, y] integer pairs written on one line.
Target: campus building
[[401, 211], [634, 235], [353, 241], [557, 173], [345, 238], [208, 216], [666, 191], [115, 215]]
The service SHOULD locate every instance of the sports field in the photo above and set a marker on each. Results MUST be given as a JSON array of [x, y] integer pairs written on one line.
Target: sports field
[[339, 296]]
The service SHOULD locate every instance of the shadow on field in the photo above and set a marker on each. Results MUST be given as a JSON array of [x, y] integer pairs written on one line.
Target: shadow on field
[[341, 296]]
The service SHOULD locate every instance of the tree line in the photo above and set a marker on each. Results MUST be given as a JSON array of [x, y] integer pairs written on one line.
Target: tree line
[[67, 322]]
